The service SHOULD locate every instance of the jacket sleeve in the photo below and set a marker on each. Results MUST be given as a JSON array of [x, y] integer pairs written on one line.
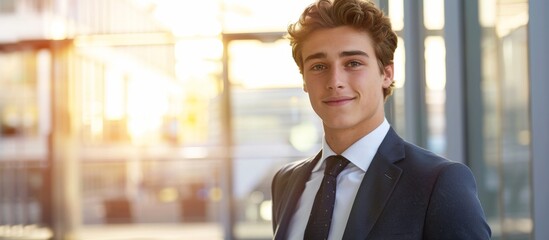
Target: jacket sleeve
[[275, 201], [279, 187], [454, 210]]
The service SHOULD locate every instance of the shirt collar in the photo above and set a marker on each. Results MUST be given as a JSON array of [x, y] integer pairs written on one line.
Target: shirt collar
[[361, 152]]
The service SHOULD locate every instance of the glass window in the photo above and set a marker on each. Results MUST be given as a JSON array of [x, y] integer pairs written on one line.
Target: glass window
[[256, 16], [505, 191], [24, 130], [395, 107], [396, 13], [272, 123], [433, 14], [435, 75], [398, 98], [435, 94]]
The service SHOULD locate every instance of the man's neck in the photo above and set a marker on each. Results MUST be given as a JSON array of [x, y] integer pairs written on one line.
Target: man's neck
[[341, 139]]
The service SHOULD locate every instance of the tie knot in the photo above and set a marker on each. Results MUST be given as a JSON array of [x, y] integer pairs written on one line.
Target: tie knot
[[335, 164]]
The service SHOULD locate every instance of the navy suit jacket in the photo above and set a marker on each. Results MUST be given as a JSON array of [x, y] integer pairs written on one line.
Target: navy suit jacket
[[407, 193]]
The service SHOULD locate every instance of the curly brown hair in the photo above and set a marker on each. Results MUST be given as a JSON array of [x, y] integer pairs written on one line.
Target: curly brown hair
[[360, 14]]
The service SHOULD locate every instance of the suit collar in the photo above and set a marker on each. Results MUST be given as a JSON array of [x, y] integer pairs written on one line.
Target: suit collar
[[376, 187], [361, 152], [299, 177], [374, 191]]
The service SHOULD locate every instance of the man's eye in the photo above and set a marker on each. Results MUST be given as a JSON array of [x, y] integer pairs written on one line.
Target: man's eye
[[354, 64], [318, 67]]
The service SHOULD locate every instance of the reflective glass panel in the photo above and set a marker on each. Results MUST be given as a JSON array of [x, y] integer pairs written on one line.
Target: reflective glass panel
[[505, 190]]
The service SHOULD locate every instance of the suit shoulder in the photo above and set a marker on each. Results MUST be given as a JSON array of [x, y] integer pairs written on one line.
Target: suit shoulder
[[290, 167], [435, 171], [288, 171], [423, 160]]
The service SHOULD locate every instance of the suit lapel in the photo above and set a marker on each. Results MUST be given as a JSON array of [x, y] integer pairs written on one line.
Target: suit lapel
[[376, 187], [297, 184]]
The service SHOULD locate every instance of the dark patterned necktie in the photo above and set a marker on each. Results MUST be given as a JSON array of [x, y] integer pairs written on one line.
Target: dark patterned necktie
[[320, 219]]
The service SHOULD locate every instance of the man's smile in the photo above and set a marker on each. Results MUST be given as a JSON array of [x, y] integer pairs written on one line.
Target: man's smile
[[338, 101]]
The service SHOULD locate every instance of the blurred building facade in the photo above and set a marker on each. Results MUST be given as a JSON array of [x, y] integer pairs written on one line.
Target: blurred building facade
[[140, 113]]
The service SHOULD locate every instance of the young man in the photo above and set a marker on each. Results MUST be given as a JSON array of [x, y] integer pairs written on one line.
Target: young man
[[387, 188]]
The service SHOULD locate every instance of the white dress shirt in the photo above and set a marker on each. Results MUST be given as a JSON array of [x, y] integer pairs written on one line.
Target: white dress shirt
[[360, 155]]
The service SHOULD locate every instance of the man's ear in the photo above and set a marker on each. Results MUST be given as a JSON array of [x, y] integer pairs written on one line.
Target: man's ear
[[305, 86], [388, 75]]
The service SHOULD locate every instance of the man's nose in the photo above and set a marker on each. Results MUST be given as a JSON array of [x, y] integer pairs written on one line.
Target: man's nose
[[335, 79]]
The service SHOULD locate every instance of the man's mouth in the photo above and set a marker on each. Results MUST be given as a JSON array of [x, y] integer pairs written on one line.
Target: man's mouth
[[337, 101]]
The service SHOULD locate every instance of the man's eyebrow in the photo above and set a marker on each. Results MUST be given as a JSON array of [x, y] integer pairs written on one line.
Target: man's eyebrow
[[342, 54], [353, 53], [315, 56]]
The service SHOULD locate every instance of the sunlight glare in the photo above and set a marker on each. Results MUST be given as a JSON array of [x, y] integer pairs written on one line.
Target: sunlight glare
[[58, 28], [199, 60], [263, 65], [114, 95], [396, 13], [265, 210], [96, 123], [435, 59], [400, 64], [147, 104], [190, 20], [433, 14], [256, 16]]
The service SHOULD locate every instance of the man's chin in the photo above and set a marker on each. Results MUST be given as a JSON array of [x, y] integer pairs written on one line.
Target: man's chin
[[339, 124]]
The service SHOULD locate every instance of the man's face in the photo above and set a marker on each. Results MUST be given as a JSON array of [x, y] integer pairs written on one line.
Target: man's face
[[342, 77]]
